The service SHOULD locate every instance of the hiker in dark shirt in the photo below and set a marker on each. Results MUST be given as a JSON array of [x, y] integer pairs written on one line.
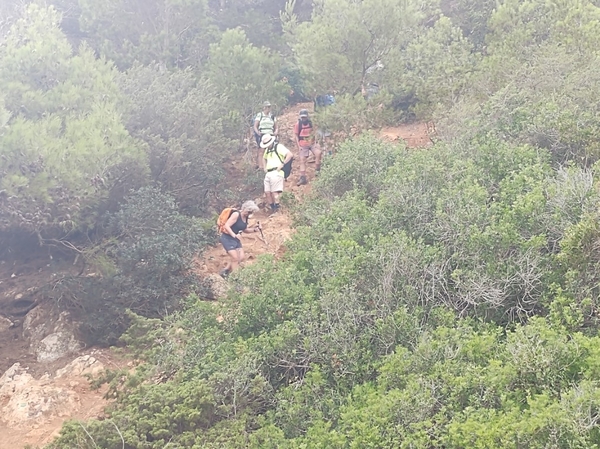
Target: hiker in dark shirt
[[230, 237]]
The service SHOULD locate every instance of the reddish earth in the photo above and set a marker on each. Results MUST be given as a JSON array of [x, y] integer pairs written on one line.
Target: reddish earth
[[35, 408], [416, 135]]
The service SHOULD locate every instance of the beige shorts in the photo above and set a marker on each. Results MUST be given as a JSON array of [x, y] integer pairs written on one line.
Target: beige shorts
[[274, 181], [305, 151]]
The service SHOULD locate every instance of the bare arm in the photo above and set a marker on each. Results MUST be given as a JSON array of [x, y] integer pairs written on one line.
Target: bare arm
[[256, 123], [296, 138], [288, 157], [251, 230]]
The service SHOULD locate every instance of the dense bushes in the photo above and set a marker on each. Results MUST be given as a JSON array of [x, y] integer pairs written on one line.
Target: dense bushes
[[65, 151], [144, 265], [399, 315], [178, 117]]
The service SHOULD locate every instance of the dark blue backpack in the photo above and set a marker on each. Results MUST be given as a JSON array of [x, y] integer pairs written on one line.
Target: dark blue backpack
[[324, 100]]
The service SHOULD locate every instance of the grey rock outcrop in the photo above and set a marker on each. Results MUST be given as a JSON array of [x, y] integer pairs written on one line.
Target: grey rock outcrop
[[51, 335]]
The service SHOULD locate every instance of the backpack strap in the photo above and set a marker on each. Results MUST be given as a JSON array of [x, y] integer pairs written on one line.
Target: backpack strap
[[300, 128], [277, 152]]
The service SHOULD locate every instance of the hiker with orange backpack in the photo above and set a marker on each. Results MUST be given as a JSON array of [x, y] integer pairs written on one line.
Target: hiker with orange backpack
[[304, 134], [277, 164], [231, 224]]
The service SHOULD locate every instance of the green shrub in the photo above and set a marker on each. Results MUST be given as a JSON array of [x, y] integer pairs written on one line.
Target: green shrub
[[151, 255]]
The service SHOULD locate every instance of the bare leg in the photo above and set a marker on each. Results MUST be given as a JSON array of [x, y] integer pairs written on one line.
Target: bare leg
[[235, 257], [318, 155], [270, 197], [240, 255], [260, 161], [303, 165]]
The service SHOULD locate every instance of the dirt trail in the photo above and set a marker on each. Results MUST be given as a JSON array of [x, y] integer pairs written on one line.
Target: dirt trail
[[277, 228]]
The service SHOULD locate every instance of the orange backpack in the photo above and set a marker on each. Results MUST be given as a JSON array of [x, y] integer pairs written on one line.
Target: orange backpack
[[223, 217]]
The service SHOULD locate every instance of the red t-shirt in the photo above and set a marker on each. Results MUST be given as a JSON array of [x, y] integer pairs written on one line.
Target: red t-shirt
[[305, 138]]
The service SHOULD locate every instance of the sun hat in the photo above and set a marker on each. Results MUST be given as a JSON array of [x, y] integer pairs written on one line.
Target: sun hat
[[266, 141], [266, 103], [303, 113]]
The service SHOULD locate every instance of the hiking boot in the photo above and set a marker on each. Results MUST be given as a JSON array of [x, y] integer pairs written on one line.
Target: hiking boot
[[302, 181], [224, 273]]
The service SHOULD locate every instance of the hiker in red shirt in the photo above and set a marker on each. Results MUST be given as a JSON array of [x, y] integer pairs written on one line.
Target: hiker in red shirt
[[304, 133]]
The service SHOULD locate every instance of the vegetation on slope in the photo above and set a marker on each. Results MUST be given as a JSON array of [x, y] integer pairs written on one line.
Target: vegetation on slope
[[440, 298]]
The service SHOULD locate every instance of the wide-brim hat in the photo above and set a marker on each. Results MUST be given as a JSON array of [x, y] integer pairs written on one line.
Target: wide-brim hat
[[266, 141], [266, 103]]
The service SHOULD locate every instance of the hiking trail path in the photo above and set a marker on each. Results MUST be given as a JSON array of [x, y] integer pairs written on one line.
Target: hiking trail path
[[277, 228], [36, 398]]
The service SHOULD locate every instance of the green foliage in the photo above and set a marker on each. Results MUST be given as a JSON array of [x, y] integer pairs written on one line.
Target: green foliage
[[437, 298], [435, 67], [174, 33], [178, 117], [361, 335], [545, 103], [246, 76], [152, 255], [362, 169], [162, 411], [345, 42], [351, 115], [65, 152], [471, 16]]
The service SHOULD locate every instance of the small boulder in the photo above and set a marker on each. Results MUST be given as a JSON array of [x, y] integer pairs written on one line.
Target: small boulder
[[56, 345], [51, 335], [5, 324], [218, 286], [86, 364]]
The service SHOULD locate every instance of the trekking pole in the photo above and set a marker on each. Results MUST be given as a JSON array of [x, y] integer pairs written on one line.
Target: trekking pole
[[260, 229], [261, 233]]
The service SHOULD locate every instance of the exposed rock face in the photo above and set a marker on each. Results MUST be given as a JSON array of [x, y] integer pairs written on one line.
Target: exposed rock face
[[81, 366], [50, 335], [26, 400], [32, 410], [55, 346]]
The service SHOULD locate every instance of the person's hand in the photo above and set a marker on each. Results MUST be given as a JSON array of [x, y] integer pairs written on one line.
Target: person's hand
[[280, 167]]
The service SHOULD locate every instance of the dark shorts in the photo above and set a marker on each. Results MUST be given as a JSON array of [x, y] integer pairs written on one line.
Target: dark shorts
[[230, 243]]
